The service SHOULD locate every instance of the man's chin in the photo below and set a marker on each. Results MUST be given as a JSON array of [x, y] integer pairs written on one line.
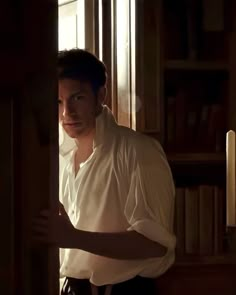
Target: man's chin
[[73, 133]]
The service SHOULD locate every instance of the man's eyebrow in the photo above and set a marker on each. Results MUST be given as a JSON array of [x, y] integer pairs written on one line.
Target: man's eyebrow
[[79, 92]]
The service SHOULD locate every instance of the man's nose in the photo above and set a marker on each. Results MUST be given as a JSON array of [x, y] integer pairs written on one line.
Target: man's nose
[[68, 110]]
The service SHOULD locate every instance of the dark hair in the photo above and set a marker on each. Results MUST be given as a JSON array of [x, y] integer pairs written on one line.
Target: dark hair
[[82, 65]]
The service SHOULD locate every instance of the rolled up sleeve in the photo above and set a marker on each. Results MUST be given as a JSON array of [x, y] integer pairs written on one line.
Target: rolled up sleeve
[[150, 204]]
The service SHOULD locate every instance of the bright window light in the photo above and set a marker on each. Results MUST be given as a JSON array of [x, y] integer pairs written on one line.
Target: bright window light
[[81, 23], [125, 39], [71, 24]]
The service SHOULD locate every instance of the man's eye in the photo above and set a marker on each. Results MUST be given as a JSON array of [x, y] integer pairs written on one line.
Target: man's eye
[[59, 101], [78, 97]]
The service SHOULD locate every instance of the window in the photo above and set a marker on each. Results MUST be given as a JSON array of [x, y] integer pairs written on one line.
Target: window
[[106, 28], [125, 62], [71, 30]]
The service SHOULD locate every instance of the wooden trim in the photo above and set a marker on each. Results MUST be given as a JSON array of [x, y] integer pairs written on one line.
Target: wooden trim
[[114, 59], [160, 77], [97, 28], [197, 157], [90, 24], [231, 107], [107, 46], [140, 115], [65, 2], [196, 65]]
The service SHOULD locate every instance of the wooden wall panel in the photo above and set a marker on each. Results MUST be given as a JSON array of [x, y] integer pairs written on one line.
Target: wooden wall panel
[[29, 147], [6, 192]]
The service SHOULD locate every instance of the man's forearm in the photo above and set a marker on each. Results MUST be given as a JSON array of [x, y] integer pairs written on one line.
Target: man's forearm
[[123, 245]]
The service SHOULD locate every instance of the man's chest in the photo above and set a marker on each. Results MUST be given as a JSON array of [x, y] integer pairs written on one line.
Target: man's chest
[[98, 188]]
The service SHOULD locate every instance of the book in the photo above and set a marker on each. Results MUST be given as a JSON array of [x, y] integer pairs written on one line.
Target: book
[[202, 127], [192, 220], [180, 119], [179, 224], [206, 219], [214, 126], [219, 209], [171, 119]]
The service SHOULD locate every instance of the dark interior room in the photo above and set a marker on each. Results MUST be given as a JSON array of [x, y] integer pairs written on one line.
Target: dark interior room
[[171, 68]]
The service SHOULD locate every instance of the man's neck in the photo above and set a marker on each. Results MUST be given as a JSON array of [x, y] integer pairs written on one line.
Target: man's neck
[[85, 143], [85, 149]]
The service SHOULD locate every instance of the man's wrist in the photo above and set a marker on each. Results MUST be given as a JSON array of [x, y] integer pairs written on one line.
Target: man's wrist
[[74, 239]]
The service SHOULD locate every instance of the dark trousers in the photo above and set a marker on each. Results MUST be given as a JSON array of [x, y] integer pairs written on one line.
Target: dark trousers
[[135, 286]]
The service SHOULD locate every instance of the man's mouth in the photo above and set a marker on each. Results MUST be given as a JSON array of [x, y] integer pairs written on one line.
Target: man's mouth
[[72, 123]]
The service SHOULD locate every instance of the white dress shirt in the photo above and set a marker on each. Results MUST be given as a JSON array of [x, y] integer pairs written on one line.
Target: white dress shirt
[[126, 184]]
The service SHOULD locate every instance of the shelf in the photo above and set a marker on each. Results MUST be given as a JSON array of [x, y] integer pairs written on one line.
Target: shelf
[[195, 65], [206, 260], [201, 158]]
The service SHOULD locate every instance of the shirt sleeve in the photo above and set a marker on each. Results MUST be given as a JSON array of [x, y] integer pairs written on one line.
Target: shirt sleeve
[[150, 204]]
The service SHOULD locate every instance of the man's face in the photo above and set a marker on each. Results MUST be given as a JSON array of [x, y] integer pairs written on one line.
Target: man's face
[[77, 107]]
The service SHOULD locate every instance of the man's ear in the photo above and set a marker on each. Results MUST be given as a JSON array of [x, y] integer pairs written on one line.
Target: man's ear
[[102, 93]]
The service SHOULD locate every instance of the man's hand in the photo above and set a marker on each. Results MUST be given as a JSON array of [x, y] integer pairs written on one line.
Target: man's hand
[[54, 229]]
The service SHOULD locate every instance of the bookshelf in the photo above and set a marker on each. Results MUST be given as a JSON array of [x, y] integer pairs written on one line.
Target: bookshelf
[[186, 82], [206, 260], [197, 78]]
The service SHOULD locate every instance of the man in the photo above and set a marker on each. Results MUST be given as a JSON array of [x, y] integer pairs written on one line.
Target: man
[[115, 229]]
